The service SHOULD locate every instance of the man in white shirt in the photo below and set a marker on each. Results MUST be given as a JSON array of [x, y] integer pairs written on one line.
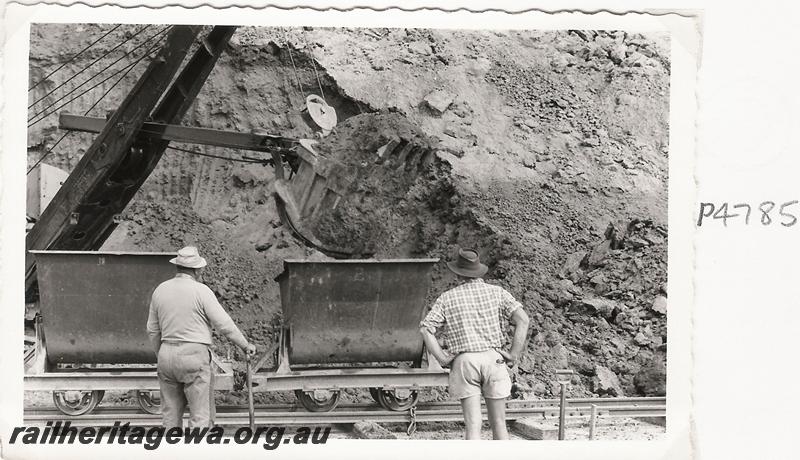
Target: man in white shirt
[[182, 313]]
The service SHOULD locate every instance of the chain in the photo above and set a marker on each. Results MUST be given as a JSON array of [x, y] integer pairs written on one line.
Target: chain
[[412, 425]]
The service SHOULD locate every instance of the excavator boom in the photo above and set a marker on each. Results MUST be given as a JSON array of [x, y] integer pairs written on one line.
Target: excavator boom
[[84, 212]]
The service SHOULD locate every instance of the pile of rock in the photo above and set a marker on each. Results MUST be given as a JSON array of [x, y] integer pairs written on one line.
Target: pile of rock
[[620, 283]]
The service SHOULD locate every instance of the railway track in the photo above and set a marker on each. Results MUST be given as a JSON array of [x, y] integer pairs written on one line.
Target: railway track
[[352, 413]]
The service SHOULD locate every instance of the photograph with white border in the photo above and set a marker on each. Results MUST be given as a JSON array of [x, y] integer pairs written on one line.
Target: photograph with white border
[[386, 217]]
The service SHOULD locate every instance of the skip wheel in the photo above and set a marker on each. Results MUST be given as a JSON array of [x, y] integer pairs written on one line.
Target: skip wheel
[[149, 401], [374, 393], [318, 401], [77, 402], [390, 400]]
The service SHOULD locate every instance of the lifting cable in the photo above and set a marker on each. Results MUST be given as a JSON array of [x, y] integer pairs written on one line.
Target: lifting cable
[[291, 58], [117, 72], [41, 158], [73, 58], [145, 41], [45, 110], [90, 64], [220, 157], [314, 63], [129, 68], [146, 54]]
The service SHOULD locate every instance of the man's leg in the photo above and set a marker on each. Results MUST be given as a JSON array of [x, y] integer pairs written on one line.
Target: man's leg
[[496, 388], [464, 385], [173, 401], [496, 407], [198, 388], [471, 406]]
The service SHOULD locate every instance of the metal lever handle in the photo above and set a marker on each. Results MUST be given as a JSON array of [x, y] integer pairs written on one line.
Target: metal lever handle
[[250, 408]]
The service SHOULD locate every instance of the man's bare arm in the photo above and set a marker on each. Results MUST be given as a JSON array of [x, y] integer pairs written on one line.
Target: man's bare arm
[[434, 348], [520, 321]]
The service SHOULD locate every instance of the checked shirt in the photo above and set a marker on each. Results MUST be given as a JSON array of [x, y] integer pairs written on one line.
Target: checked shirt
[[471, 315]]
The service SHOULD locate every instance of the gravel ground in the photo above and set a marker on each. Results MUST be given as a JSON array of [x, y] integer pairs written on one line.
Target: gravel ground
[[577, 429]]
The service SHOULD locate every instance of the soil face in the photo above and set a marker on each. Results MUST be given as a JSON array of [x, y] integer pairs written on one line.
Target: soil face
[[549, 157]]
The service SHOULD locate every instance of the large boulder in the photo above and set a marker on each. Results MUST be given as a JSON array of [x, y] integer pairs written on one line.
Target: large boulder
[[606, 383], [652, 380], [560, 356], [439, 100], [602, 306], [598, 254], [660, 305], [572, 264]]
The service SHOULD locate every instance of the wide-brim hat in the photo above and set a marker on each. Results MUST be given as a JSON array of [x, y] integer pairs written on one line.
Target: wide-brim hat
[[468, 264], [189, 257]]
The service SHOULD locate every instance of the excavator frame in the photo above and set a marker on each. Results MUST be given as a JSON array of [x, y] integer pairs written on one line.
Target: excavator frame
[[129, 144]]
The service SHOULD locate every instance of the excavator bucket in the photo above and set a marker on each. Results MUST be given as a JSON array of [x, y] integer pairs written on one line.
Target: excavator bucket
[[313, 186], [320, 186]]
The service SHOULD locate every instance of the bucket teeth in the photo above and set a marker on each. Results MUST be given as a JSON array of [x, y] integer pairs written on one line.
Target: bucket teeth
[[403, 154], [426, 159], [412, 160], [384, 151], [319, 185]]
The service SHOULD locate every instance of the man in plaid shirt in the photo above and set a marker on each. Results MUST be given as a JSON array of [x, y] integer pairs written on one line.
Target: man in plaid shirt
[[470, 315]]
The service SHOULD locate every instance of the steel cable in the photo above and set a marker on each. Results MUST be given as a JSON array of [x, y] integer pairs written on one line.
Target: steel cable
[[41, 158], [90, 64], [313, 63], [45, 110], [129, 68], [291, 58], [210, 155], [79, 95], [73, 58], [114, 85], [117, 72]]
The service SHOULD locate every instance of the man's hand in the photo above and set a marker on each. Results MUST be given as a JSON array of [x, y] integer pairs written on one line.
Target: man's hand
[[520, 321], [250, 349], [510, 359], [445, 358]]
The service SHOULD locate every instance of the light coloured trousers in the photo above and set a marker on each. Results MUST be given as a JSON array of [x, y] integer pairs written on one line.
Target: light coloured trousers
[[186, 378]]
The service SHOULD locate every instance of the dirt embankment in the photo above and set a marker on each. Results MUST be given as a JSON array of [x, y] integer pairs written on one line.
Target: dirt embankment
[[550, 159]]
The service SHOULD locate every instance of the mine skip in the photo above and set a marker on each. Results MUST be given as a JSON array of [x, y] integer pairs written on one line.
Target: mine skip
[[347, 324]]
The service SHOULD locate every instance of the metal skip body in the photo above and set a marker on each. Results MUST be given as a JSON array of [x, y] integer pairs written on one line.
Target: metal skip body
[[354, 311], [95, 304]]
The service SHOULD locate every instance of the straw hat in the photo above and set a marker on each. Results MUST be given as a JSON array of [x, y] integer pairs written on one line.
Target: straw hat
[[468, 264], [189, 257]]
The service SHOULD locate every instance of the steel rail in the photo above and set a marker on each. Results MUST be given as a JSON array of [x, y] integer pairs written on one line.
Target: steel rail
[[292, 415], [516, 404]]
